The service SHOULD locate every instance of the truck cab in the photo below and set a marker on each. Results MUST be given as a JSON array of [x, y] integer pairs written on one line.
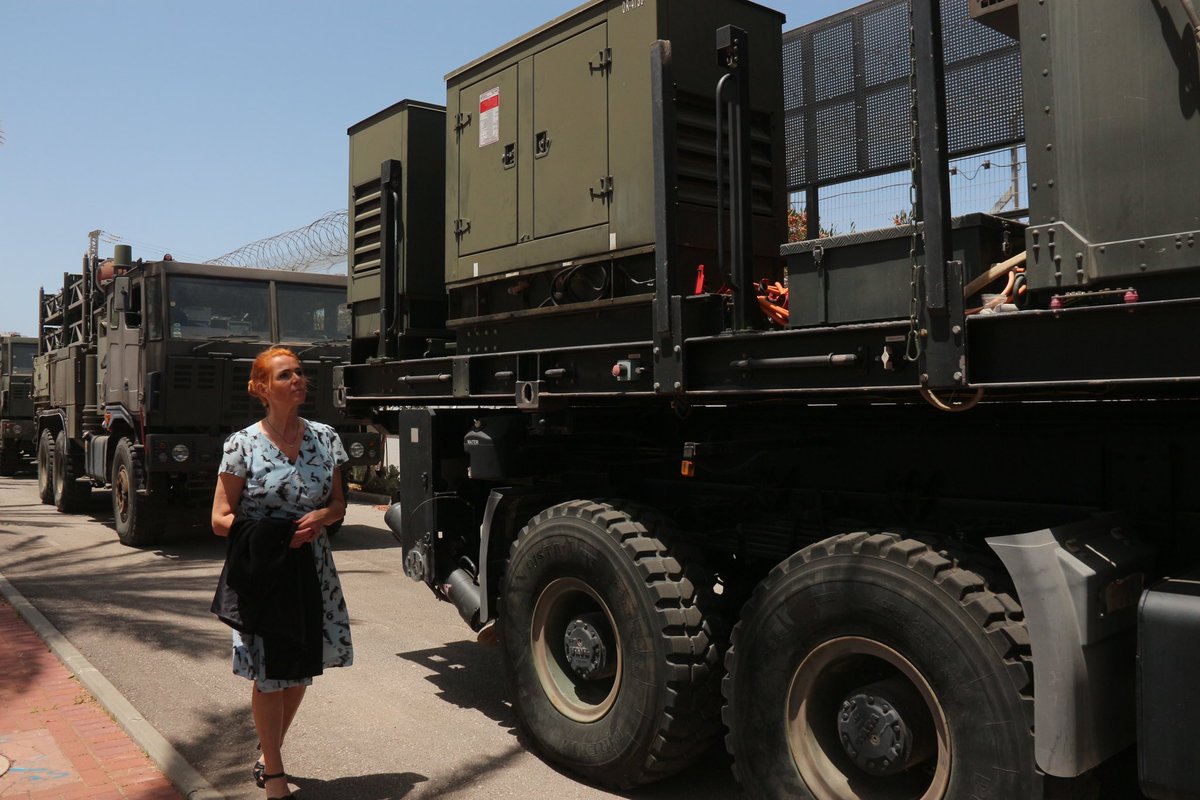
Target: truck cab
[[144, 373]]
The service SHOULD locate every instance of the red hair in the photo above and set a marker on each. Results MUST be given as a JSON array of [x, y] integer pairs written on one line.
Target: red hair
[[260, 371]]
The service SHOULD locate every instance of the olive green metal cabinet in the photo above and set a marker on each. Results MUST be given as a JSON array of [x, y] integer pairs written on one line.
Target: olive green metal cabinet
[[413, 135], [550, 137], [1112, 117]]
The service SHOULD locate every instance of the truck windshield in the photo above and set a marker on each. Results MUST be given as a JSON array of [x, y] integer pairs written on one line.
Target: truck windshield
[[204, 308], [312, 313], [22, 357]]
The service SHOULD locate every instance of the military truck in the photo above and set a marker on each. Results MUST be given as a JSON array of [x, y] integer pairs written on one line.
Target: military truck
[[16, 402], [142, 370], [891, 540]]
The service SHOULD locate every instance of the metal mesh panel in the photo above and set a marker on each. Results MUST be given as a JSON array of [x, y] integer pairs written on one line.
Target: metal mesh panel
[[889, 135], [836, 132], [793, 133], [833, 72], [793, 76], [885, 43], [991, 117], [855, 68]]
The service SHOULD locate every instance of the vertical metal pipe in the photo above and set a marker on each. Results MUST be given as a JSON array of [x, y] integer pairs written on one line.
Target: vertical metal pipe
[[721, 102], [41, 349], [389, 258], [943, 324], [935, 172], [812, 211], [668, 322], [733, 52], [663, 89]]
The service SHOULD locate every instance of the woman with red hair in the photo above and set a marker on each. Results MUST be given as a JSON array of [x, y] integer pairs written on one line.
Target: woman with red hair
[[284, 468]]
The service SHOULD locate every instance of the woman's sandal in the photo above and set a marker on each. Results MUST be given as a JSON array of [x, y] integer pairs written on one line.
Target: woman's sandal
[[288, 796], [259, 768]]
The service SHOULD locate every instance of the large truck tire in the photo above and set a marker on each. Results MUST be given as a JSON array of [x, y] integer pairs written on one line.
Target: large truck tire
[[587, 577], [70, 496], [139, 519], [869, 667], [45, 467]]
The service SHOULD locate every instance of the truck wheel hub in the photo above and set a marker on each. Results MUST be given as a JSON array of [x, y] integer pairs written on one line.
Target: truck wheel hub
[[873, 732], [586, 647]]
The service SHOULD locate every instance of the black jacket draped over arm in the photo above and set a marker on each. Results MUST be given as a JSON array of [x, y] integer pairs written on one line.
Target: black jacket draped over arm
[[270, 589]]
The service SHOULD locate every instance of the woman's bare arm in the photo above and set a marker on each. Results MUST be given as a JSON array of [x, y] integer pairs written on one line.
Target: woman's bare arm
[[229, 489]]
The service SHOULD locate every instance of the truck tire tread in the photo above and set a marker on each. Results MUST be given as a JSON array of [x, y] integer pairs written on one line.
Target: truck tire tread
[[991, 607], [679, 587]]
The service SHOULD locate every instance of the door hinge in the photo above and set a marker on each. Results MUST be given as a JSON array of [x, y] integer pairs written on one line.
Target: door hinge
[[461, 121], [603, 190], [461, 226], [603, 63]]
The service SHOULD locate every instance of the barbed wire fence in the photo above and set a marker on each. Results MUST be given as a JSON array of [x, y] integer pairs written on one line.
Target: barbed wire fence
[[319, 246]]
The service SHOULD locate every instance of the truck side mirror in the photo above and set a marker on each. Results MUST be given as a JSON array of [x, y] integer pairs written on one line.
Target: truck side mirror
[[120, 294]]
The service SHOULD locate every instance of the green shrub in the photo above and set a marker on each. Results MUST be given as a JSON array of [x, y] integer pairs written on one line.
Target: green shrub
[[382, 480]]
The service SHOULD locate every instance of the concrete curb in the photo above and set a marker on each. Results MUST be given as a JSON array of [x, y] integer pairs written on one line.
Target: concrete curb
[[186, 779]]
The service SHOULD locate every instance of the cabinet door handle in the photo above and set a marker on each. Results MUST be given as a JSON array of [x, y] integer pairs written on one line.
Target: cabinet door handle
[[605, 190], [541, 145]]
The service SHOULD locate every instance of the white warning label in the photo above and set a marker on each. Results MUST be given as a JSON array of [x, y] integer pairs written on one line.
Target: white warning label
[[489, 117]]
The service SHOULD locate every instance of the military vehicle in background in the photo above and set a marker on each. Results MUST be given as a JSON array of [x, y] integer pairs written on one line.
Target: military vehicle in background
[[141, 375], [16, 402]]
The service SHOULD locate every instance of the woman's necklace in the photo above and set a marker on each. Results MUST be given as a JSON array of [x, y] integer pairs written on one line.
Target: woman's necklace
[[285, 440]]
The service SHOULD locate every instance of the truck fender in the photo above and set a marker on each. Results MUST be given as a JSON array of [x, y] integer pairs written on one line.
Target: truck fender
[[119, 414], [485, 537], [54, 420], [1079, 585]]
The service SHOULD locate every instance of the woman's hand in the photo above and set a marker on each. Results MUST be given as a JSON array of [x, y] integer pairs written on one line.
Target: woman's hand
[[309, 526]]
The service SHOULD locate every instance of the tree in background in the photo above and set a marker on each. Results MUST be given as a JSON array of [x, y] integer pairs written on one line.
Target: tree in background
[[798, 227]]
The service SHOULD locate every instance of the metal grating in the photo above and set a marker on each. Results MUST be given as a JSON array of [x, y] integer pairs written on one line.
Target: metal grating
[[365, 227], [241, 405], [855, 68]]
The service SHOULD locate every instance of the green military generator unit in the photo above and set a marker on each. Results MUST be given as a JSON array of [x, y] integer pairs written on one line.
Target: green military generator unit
[[396, 251], [550, 205]]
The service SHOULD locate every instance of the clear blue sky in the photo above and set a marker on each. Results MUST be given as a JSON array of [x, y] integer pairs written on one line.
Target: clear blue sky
[[197, 127]]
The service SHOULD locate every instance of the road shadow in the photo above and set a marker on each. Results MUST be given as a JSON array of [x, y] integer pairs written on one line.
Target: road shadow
[[383, 786], [468, 675], [363, 537], [98, 587]]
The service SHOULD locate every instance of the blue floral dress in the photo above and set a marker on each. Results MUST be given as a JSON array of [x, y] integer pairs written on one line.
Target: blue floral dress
[[277, 488]]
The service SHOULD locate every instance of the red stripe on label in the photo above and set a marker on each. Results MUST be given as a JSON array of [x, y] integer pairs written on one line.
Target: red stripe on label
[[489, 103]]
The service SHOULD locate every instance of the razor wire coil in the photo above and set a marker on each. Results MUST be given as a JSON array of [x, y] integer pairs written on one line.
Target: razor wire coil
[[316, 247]]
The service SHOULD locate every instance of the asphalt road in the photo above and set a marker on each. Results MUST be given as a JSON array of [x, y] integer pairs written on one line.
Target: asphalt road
[[422, 713]]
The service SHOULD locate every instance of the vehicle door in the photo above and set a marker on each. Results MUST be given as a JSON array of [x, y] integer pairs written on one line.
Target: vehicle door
[[123, 379]]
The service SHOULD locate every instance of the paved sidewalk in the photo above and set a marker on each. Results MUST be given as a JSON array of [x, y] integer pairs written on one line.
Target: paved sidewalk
[[56, 741]]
